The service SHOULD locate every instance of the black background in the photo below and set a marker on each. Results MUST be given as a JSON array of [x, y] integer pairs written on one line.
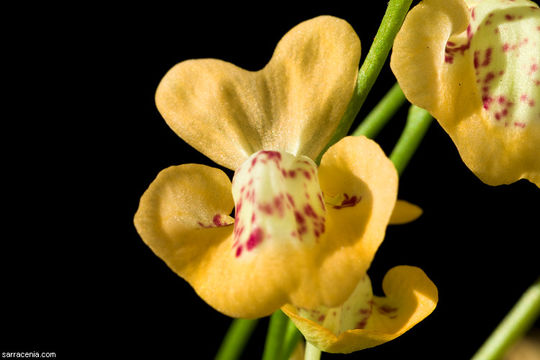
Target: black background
[[78, 280]]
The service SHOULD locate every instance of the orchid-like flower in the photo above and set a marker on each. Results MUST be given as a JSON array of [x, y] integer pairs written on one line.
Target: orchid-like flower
[[365, 320], [474, 65], [300, 234]]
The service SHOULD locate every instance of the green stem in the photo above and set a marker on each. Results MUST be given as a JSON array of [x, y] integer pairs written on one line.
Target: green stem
[[275, 336], [514, 325], [235, 339], [372, 65], [379, 116], [312, 352], [418, 122], [292, 336]]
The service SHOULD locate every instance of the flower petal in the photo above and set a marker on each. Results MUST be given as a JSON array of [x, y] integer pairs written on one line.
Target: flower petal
[[356, 170], [318, 61], [294, 104], [418, 52], [183, 218], [278, 202], [405, 212], [353, 313], [410, 298], [476, 70], [184, 212]]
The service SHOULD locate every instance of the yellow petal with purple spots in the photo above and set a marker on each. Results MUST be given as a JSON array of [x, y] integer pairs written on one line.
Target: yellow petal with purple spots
[[410, 298], [474, 65]]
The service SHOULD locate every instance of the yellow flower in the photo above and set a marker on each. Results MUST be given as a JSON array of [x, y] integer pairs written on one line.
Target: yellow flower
[[364, 320], [300, 234], [474, 65]]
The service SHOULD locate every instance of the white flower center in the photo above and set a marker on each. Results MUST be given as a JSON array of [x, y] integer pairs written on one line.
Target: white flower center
[[503, 42], [353, 314], [278, 199]]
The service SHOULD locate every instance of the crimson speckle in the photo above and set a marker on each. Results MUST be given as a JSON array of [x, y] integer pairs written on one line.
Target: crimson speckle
[[271, 154], [217, 220], [361, 324], [291, 199], [487, 58], [266, 208], [489, 76], [278, 204], [348, 201], [486, 101], [238, 230], [255, 238], [239, 207], [239, 251], [309, 211], [319, 195], [387, 309], [299, 218]]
